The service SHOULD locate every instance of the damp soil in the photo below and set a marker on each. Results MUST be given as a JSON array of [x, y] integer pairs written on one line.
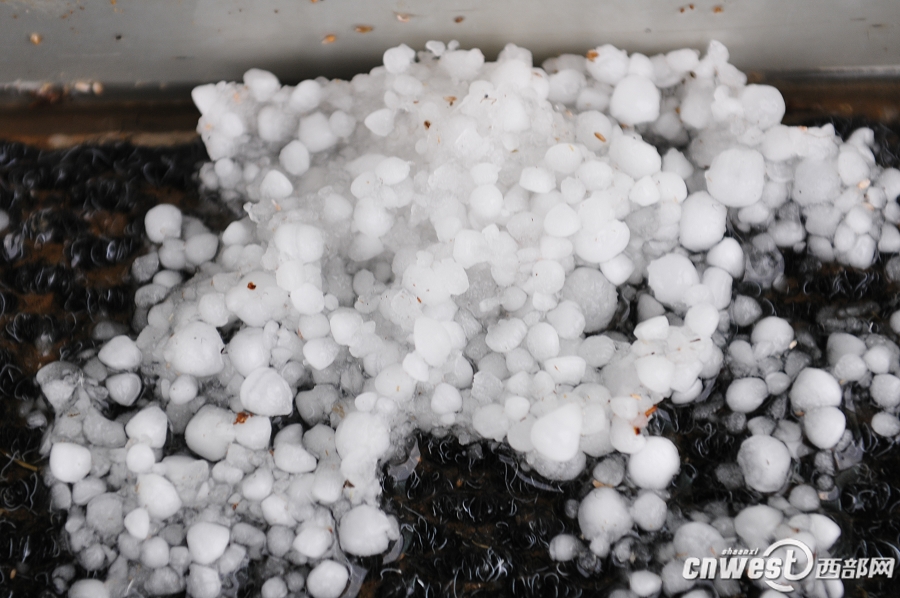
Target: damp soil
[[474, 521], [75, 227]]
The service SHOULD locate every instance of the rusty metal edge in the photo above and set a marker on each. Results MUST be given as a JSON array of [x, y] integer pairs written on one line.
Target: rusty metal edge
[[55, 117]]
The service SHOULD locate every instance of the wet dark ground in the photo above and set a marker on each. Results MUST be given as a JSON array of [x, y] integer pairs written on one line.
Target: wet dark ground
[[76, 224], [473, 522]]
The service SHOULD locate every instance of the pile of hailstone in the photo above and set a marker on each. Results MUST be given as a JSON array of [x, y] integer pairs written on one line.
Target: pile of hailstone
[[441, 245]]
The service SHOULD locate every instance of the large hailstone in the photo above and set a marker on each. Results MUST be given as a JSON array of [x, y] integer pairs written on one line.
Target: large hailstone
[[765, 463], [556, 435], [654, 466], [365, 530], [604, 515], [736, 177], [195, 349]]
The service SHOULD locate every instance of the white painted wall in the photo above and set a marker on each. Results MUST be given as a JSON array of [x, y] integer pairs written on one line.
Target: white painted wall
[[181, 42]]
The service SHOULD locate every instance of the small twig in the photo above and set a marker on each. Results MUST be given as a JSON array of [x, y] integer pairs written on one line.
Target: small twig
[[19, 462]]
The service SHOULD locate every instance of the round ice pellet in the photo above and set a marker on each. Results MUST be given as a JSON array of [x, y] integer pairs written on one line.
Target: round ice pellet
[[274, 587], [604, 243], [155, 553], [342, 124], [593, 129], [537, 179], [163, 221], [273, 125], [275, 186], [327, 580], [137, 522], [124, 388], [736, 177], [207, 541], [88, 588], [603, 513], [506, 335], [763, 105], [885, 390], [804, 497], [635, 157], [308, 299], [649, 511], [555, 436], [294, 158], [253, 432], [702, 222], [149, 425], [300, 241], [201, 248], [69, 462], [120, 353], [265, 392], [320, 352], [183, 390], [158, 496], [542, 341], [824, 426], [445, 399], [392, 170], [548, 276], [432, 341], [306, 96], [486, 201], [315, 133], [257, 485], [561, 221], [885, 424], [564, 547], [196, 349], [366, 530], [765, 463], [772, 335], [670, 277], [563, 158], [210, 432], [728, 255], [878, 359], [703, 319], [654, 466], [140, 458], [635, 100], [645, 583], [815, 388], [380, 122], [397, 60], [746, 394], [262, 84]]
